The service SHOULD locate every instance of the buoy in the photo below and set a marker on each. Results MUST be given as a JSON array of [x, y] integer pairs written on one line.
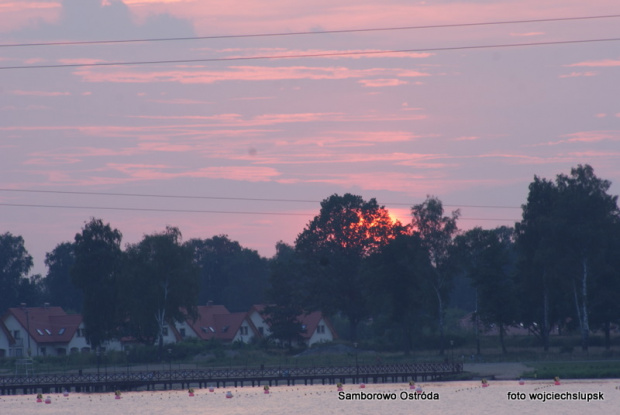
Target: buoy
[[229, 395], [362, 386], [117, 397], [418, 389], [210, 388], [521, 382], [48, 400], [65, 393]]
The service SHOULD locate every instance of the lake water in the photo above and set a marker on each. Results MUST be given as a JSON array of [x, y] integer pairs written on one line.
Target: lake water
[[462, 398]]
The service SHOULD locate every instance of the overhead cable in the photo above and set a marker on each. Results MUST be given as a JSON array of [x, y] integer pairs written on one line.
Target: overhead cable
[[304, 33]]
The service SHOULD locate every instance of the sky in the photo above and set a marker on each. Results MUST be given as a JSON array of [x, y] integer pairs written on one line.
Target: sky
[[220, 144]]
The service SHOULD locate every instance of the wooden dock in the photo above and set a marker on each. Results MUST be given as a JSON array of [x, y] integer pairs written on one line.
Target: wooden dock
[[216, 377]]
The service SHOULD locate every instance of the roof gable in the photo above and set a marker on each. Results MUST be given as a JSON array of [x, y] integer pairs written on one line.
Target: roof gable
[[47, 324]]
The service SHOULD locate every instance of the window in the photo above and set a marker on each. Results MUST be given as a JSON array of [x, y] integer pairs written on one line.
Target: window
[[17, 334], [182, 332], [243, 330], [320, 329], [48, 332], [61, 331], [261, 330], [40, 332], [81, 332], [164, 331]]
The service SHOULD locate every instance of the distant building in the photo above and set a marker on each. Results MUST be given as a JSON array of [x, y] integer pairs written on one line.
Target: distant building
[[45, 331], [315, 328], [216, 322]]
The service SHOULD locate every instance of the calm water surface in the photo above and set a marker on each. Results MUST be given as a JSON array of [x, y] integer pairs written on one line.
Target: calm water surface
[[462, 398]]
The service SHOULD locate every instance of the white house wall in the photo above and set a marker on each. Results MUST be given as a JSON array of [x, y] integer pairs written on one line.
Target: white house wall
[[244, 338], [259, 322], [78, 342], [326, 336], [12, 326]]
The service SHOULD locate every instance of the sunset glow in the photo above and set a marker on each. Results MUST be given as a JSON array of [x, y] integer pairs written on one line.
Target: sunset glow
[[249, 147]]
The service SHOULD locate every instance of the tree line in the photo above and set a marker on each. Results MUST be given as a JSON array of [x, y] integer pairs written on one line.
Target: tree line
[[558, 268]]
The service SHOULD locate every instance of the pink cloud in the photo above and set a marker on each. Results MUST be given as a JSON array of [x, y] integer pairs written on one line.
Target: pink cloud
[[180, 101], [331, 53], [467, 138], [155, 172], [601, 63], [40, 93], [378, 83], [527, 34], [241, 73], [79, 61], [584, 137], [577, 74]]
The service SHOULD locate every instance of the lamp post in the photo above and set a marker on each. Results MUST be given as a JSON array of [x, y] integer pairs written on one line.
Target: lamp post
[[357, 368], [170, 366], [127, 361], [452, 352], [98, 352], [25, 309]]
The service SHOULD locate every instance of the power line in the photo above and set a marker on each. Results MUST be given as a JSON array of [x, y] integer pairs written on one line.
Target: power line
[[246, 199], [227, 212], [152, 209], [380, 29], [310, 55]]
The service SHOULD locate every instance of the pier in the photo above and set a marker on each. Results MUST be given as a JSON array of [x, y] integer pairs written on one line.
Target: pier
[[216, 377]]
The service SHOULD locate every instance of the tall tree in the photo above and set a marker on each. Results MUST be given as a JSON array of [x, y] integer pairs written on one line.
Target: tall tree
[[587, 215], [437, 232], [488, 258], [398, 278], [346, 231], [285, 295], [15, 263], [539, 276], [59, 285], [160, 284], [565, 238], [231, 275], [95, 272]]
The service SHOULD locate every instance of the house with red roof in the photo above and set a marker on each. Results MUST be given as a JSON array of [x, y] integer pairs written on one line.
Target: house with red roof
[[315, 327], [216, 322], [46, 331]]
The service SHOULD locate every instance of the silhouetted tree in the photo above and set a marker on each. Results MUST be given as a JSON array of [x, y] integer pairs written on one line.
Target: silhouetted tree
[[15, 263], [437, 232], [96, 270], [334, 244]]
